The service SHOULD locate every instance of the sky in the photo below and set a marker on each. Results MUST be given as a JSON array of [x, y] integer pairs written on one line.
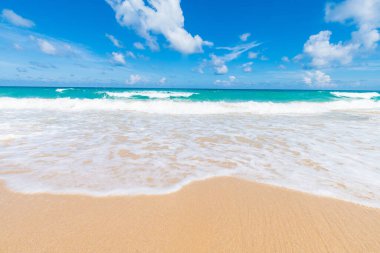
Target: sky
[[272, 44]]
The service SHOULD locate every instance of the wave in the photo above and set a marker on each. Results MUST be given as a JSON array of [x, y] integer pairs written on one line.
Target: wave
[[362, 95], [150, 94], [60, 90], [185, 107]]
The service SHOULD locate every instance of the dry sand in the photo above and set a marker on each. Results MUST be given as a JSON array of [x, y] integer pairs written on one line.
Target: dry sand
[[218, 215]]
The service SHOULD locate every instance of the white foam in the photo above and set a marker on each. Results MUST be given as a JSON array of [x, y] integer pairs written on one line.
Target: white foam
[[123, 147], [61, 90], [185, 108], [362, 95], [150, 94]]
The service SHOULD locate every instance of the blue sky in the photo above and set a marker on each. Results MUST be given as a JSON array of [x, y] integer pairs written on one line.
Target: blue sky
[[293, 44]]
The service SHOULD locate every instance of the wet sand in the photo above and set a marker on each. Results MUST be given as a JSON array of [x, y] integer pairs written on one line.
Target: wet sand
[[218, 215]]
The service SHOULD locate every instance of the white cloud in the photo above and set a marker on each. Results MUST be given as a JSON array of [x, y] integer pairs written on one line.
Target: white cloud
[[324, 53], [221, 70], [247, 67], [253, 55], [230, 80], [244, 36], [46, 47], [130, 54], [49, 45], [317, 79], [364, 14], [118, 58], [139, 45], [15, 19], [220, 67], [133, 79], [285, 59], [162, 80], [219, 63], [157, 17], [114, 41], [298, 58]]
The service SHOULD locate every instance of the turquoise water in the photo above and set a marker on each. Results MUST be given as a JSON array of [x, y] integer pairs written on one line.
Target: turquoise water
[[195, 95]]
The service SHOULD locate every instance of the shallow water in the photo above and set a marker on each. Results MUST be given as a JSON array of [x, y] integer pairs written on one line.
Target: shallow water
[[154, 145]]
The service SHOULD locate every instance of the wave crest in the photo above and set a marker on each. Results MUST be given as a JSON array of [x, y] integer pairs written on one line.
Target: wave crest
[[362, 95]]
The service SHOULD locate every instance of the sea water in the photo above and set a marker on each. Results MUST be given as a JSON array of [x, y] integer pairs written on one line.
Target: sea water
[[104, 142]]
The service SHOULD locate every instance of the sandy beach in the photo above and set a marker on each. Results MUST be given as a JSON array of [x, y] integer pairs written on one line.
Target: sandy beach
[[218, 215]]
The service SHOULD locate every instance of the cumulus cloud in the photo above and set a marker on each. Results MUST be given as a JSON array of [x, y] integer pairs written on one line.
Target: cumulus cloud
[[118, 58], [133, 79], [244, 36], [220, 67], [247, 67], [219, 63], [152, 17], [114, 41], [15, 19], [317, 79], [364, 15], [323, 53]]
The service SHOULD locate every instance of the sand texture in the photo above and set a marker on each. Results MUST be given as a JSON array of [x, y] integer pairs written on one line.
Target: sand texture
[[218, 215]]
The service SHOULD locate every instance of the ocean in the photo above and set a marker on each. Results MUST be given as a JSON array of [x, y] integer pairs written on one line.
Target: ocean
[[103, 142]]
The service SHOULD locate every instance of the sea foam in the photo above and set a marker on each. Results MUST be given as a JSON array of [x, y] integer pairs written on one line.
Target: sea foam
[[362, 95], [184, 107], [121, 146]]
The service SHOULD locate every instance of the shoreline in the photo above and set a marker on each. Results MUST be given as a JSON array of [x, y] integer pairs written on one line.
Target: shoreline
[[4, 186], [220, 214], [175, 190]]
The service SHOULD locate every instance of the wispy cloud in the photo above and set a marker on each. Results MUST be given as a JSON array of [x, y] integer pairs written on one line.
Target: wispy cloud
[[139, 45], [11, 17], [225, 82], [65, 60], [247, 67], [219, 63], [46, 47], [114, 41]]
